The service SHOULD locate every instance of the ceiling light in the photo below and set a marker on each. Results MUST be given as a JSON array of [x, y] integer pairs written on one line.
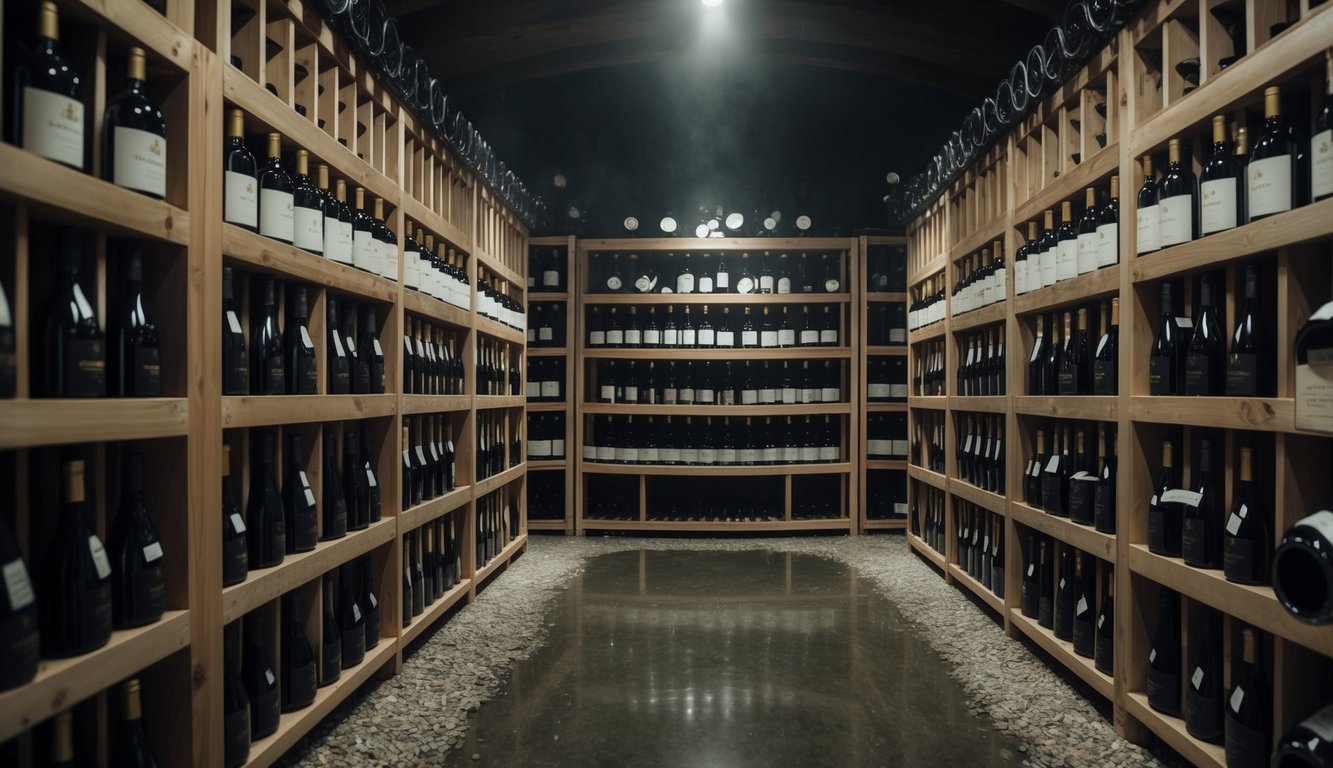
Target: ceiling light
[[712, 3]]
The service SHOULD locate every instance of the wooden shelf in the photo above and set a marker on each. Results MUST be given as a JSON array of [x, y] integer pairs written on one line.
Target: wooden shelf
[[61, 421], [431, 308], [272, 410], [267, 255], [492, 402], [929, 333], [988, 597], [978, 318], [546, 407], [966, 491], [594, 468], [419, 515], [877, 407], [934, 479], [1257, 606], [434, 611], [537, 297], [547, 525], [715, 244], [498, 330], [414, 404], [885, 464], [890, 297], [293, 726], [982, 237], [494, 482], [736, 353], [809, 409], [506, 555], [1172, 731], [695, 526], [1086, 669], [492, 264], [535, 466], [61, 683], [548, 352], [981, 404], [895, 524], [893, 350], [417, 211], [267, 584], [1084, 407], [931, 402], [1083, 289], [1266, 414], [1070, 185], [757, 299], [930, 269], [1083, 537], [919, 545]]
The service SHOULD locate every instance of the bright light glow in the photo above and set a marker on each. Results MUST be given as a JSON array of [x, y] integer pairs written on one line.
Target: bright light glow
[[712, 3]]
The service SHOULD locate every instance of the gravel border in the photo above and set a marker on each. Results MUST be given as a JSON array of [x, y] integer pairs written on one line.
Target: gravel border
[[414, 718]]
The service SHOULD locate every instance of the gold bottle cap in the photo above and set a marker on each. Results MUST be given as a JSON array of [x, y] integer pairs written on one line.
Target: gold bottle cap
[[1115, 187], [1066, 211], [138, 64], [48, 24], [275, 144], [62, 749], [1173, 151], [340, 190], [379, 208], [1246, 465], [1050, 219], [1219, 129], [1115, 311], [360, 199], [1090, 198], [1272, 101], [323, 177], [1168, 460], [1147, 165], [73, 473], [302, 162], [235, 124], [133, 711]]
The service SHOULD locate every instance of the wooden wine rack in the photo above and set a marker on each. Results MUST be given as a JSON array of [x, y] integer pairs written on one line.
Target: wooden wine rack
[[564, 465], [862, 397], [352, 124], [1033, 169]]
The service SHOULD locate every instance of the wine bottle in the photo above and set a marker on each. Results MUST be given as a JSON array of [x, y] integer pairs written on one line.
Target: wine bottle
[[1087, 233], [1076, 364], [1046, 586], [1055, 478], [1048, 252], [339, 367], [1108, 228], [275, 195], [335, 505], [1040, 351], [19, 641], [997, 560], [1164, 517], [302, 515], [1167, 358], [351, 621], [1031, 597], [1147, 214], [1032, 474], [1321, 143], [1085, 603], [346, 233], [1248, 372], [235, 555], [356, 493], [8, 348], [132, 747], [264, 515], [1164, 656], [235, 702], [136, 135], [1203, 694], [1245, 544], [330, 220], [1219, 185], [1205, 357], [1106, 362], [138, 592], [1066, 591], [1201, 533], [386, 246], [136, 349], [418, 574], [48, 120], [1082, 484], [235, 365], [240, 177], [1303, 569], [369, 604], [268, 364], [1272, 172], [1178, 215], [372, 351], [261, 683], [331, 647], [307, 208], [1066, 257], [302, 374], [1104, 651], [1103, 500], [1247, 725], [374, 497], [75, 345], [298, 660], [76, 608]]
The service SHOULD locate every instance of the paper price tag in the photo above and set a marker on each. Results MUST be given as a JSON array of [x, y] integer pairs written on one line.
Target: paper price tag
[[17, 585], [233, 322], [1237, 696], [237, 522], [1197, 678], [153, 552], [1182, 496], [268, 675], [1082, 606], [370, 477], [309, 497], [100, 560], [306, 341]]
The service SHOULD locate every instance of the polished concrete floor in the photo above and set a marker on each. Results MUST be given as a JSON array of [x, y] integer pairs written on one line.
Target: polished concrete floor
[[728, 659]]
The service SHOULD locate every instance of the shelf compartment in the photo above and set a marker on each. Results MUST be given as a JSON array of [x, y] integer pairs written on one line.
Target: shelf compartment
[[60, 421], [1257, 606], [1172, 731], [650, 299], [434, 611], [293, 726], [987, 234], [1083, 537], [700, 526], [60, 683], [271, 410], [1300, 225], [977, 588], [1087, 408], [499, 330], [492, 402], [433, 309], [807, 409], [1101, 284], [779, 353], [419, 515], [932, 402], [271, 256], [1263, 414], [987, 500], [537, 297], [929, 333], [593, 468], [413, 404], [1070, 186], [505, 557], [934, 479], [981, 404], [920, 546], [499, 481], [1064, 653], [267, 584], [977, 318], [415, 210], [493, 264]]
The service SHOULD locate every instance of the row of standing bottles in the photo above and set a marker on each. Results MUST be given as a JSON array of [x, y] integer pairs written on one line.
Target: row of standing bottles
[[432, 564], [1066, 601]]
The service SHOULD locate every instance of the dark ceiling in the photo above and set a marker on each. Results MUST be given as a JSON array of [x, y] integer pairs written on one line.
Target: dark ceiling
[[648, 105]]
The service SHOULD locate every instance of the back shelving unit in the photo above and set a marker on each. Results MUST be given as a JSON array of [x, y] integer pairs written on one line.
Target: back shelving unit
[[551, 415], [1122, 106], [613, 494], [883, 385], [204, 59]]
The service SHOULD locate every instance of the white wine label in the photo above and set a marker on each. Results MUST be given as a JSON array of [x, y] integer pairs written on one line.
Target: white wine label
[[896, 336], [1217, 205], [1237, 696], [1321, 522], [899, 448], [1036, 468], [100, 560], [1082, 606], [726, 338], [631, 393], [596, 338], [550, 389], [685, 283], [308, 229], [1270, 185], [1036, 348], [345, 239], [140, 162], [268, 675], [707, 337], [1197, 678], [967, 446], [1031, 569], [53, 126], [615, 338], [832, 285], [784, 285], [306, 341], [1049, 266], [1185, 322], [1101, 345], [749, 339], [1062, 583], [379, 352], [356, 612], [878, 447], [768, 338], [1149, 223], [309, 497], [689, 455], [633, 337], [1152, 656], [1053, 464], [81, 301], [670, 455], [1066, 259], [1108, 245], [275, 215], [1182, 496], [652, 337], [786, 338], [17, 585], [749, 397], [723, 281], [1100, 621], [1321, 164], [880, 391], [363, 250], [351, 345], [898, 390], [1176, 222], [550, 278], [705, 284], [745, 285], [589, 453], [646, 455], [765, 283], [707, 455], [1082, 475], [1236, 518], [900, 508], [828, 336], [809, 337], [687, 337], [370, 477], [613, 283], [830, 395], [237, 523], [1087, 253], [828, 453]]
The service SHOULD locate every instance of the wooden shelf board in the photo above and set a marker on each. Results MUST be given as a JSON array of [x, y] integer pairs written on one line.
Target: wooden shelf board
[[1086, 669], [505, 556], [1257, 606], [1083, 537], [1267, 414], [546, 407], [426, 511], [535, 296], [926, 476], [840, 524], [594, 468], [736, 353], [988, 597], [1089, 407], [982, 237], [891, 296], [885, 464], [993, 502], [498, 330], [293, 726], [977, 318], [893, 350], [153, 31], [651, 299], [1301, 225], [932, 402], [493, 264], [920, 546], [982, 404], [715, 244], [929, 333], [808, 409], [1172, 731], [61, 683], [492, 402], [499, 481], [548, 352], [432, 308], [256, 252], [547, 525], [32, 423], [535, 466], [65, 195], [417, 211], [878, 407], [895, 524], [266, 584], [1069, 186], [263, 411], [413, 404], [434, 611], [1103, 283], [929, 269]]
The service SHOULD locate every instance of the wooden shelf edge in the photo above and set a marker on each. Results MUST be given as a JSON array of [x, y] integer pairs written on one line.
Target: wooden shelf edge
[[60, 421], [885, 464], [1172, 731], [493, 402], [1083, 537], [546, 407], [933, 402], [493, 264], [278, 258], [982, 237], [453, 235], [1105, 162], [545, 464], [838, 524], [1064, 653], [594, 468], [274, 410], [499, 330], [924, 475], [151, 30], [548, 352], [1087, 408], [483, 487], [988, 597], [981, 404], [419, 515], [978, 318], [929, 269], [1077, 290], [919, 545], [548, 525], [992, 502], [873, 406], [896, 524], [929, 333], [1263, 414], [433, 612], [715, 244], [756, 299], [886, 296], [414, 404], [735, 353], [810, 409], [432, 308], [506, 555], [892, 350], [61, 683]]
